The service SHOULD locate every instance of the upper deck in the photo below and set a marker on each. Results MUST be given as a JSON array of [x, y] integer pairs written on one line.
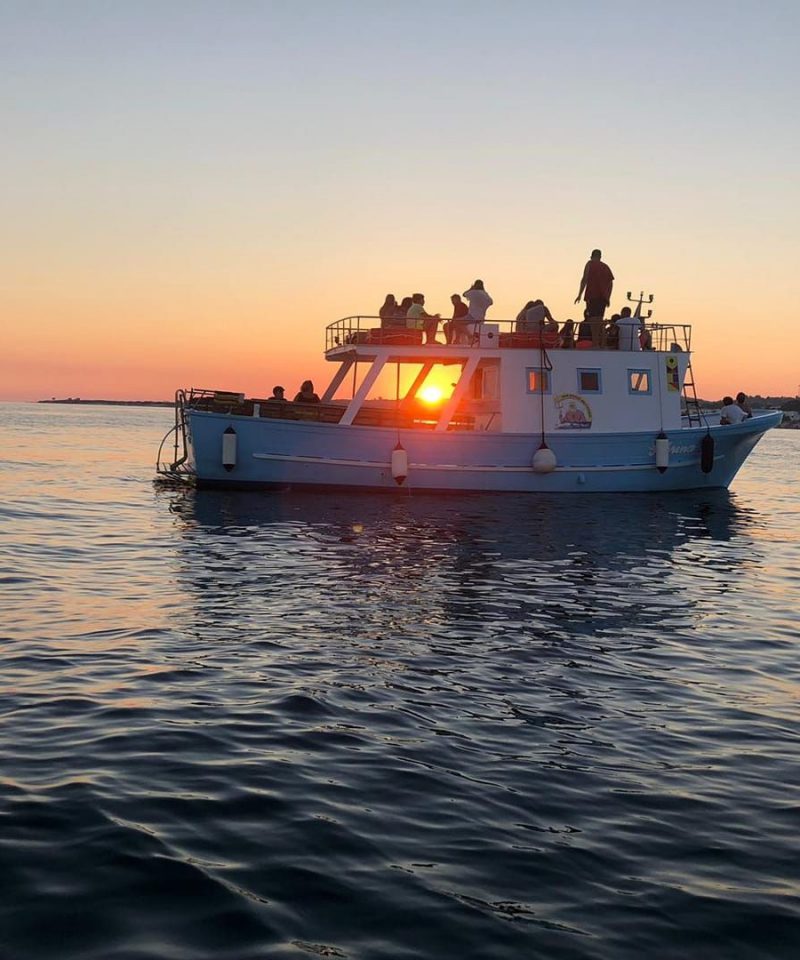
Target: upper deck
[[369, 336]]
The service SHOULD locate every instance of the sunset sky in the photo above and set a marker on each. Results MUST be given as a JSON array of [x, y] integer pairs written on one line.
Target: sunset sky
[[191, 191]]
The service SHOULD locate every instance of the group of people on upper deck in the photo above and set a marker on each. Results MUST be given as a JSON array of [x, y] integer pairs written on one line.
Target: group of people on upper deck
[[622, 332], [410, 313]]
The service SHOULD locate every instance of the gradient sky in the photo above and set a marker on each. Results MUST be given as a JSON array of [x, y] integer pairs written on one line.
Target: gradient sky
[[191, 191]]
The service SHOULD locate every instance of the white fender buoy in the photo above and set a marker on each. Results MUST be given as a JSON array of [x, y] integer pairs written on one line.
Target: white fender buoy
[[399, 464], [229, 448], [662, 452], [544, 460]]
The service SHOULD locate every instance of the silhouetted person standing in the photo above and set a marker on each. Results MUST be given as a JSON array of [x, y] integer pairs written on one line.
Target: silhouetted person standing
[[455, 330], [597, 283]]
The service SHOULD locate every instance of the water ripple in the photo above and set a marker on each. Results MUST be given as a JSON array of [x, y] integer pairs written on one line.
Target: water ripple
[[240, 726]]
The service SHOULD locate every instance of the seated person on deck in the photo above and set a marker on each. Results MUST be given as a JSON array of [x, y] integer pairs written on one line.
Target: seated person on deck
[[744, 403], [550, 337], [306, 394], [417, 318], [584, 336], [731, 412], [389, 312], [628, 330], [612, 333], [521, 324], [278, 393]]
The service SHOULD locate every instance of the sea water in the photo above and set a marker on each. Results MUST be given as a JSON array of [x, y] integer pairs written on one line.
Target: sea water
[[247, 725]]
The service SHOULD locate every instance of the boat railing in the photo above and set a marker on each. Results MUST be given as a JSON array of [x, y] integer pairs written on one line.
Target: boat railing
[[406, 415], [371, 330], [364, 329], [670, 337]]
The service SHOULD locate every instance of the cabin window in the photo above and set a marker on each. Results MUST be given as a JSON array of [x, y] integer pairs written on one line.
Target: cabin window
[[639, 382], [485, 383], [589, 381], [538, 380]]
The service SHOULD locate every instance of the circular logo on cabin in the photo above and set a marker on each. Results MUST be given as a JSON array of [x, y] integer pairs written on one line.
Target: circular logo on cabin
[[574, 413]]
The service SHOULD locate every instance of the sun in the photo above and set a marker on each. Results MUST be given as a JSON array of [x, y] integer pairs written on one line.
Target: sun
[[430, 394]]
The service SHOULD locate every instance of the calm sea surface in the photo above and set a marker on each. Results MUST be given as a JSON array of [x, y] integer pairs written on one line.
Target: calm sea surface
[[244, 725]]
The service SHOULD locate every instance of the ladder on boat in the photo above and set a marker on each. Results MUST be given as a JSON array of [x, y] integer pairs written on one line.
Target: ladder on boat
[[691, 404], [176, 470]]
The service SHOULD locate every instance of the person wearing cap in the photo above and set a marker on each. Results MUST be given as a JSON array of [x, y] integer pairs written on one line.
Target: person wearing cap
[[278, 394]]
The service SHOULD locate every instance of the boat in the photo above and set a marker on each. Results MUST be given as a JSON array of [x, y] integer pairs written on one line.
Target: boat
[[524, 415]]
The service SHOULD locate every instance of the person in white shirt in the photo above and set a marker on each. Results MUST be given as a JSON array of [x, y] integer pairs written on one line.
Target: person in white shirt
[[628, 330], [479, 302], [731, 412]]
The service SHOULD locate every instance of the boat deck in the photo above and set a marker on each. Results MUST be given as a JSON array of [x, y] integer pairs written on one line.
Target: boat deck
[[362, 332], [406, 415]]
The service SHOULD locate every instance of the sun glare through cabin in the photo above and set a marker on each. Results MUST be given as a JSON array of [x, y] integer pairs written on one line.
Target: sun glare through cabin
[[430, 394]]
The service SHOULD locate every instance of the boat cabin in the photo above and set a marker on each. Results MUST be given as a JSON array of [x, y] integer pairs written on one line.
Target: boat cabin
[[502, 382]]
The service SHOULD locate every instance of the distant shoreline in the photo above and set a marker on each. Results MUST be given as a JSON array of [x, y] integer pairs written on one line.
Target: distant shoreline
[[113, 403]]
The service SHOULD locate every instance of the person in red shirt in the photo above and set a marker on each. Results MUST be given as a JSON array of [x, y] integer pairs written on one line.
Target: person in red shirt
[[597, 283]]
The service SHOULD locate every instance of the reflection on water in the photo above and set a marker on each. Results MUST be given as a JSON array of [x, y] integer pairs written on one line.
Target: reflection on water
[[541, 562], [238, 725]]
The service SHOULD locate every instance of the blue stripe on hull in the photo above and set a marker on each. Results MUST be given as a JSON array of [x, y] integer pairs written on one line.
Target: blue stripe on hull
[[280, 453]]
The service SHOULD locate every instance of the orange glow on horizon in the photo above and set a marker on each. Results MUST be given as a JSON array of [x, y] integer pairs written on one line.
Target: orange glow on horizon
[[180, 219]]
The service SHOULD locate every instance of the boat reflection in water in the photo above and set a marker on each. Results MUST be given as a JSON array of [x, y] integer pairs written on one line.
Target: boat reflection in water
[[485, 708], [478, 563]]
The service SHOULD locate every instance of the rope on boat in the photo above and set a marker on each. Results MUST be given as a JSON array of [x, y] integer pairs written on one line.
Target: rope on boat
[[544, 460]]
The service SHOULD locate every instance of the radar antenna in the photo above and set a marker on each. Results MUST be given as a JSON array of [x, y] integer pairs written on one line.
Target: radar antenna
[[638, 311]]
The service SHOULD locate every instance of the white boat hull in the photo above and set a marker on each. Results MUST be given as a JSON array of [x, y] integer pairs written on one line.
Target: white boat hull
[[277, 453]]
